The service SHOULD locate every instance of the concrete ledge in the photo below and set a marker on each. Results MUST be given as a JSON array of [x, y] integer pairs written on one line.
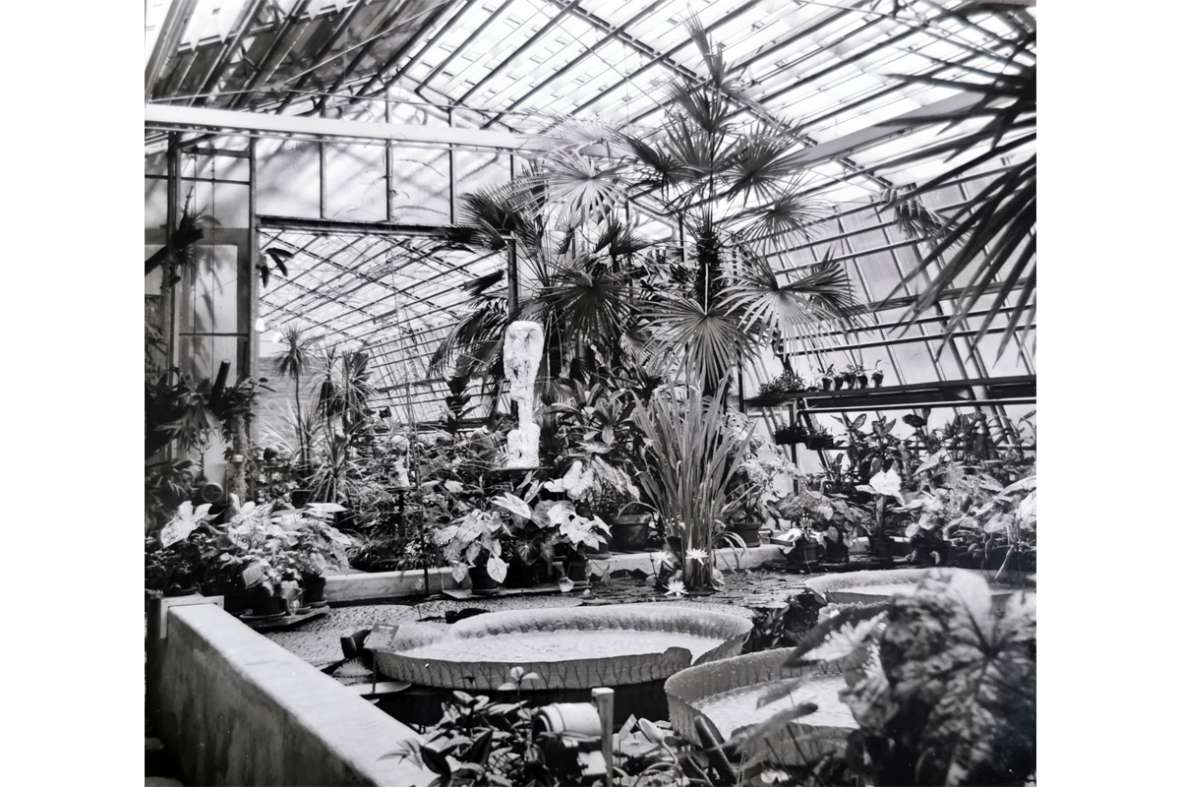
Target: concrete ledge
[[385, 584], [239, 709], [727, 559], [362, 586]]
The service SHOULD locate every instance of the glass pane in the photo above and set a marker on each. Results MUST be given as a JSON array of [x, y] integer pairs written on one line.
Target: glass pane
[[421, 182], [354, 182]]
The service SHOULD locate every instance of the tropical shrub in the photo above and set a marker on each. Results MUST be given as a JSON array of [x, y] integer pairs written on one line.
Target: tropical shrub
[[942, 685]]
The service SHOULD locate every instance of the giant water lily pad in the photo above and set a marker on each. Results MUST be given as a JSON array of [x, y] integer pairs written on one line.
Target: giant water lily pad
[[728, 692], [558, 648], [866, 587]]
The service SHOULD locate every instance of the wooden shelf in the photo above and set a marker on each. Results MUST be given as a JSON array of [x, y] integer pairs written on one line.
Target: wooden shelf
[[950, 393]]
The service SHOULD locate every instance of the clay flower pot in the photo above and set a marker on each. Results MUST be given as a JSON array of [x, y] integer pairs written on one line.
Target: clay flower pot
[[482, 583]]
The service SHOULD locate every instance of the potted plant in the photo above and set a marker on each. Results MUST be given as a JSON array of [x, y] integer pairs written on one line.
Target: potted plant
[[878, 375], [791, 435], [820, 439], [472, 545], [855, 376], [579, 535], [847, 378], [532, 540], [745, 514], [319, 549], [632, 527], [827, 376]]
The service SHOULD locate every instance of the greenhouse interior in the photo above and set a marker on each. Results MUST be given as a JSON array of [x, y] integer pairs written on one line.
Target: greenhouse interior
[[586, 392]]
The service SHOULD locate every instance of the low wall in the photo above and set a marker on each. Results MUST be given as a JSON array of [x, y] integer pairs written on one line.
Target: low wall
[[362, 586], [238, 709]]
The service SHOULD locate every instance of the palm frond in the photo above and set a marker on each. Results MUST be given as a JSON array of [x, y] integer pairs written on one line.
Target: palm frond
[[591, 302], [704, 341], [996, 227], [794, 309], [789, 215], [475, 340]]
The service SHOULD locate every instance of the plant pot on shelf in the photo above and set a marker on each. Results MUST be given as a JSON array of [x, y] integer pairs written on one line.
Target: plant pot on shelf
[[313, 591], [805, 551], [749, 531], [482, 583], [599, 552], [878, 378], [527, 575], [849, 380], [827, 383], [791, 435], [630, 531], [862, 380], [839, 383], [262, 605]]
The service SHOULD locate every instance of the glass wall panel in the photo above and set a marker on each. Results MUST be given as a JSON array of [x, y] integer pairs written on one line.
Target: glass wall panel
[[354, 182], [421, 182], [288, 173]]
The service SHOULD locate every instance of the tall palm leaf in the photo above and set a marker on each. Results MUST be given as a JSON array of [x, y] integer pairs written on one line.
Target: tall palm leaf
[[795, 308], [706, 342], [591, 301], [996, 228]]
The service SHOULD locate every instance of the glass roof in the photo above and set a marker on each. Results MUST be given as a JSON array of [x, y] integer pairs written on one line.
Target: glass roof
[[829, 67], [530, 65]]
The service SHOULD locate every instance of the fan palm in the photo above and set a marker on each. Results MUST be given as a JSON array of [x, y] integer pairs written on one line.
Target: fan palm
[[701, 170]]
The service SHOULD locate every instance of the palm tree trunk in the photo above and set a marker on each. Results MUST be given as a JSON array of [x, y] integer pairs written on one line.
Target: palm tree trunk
[[299, 427]]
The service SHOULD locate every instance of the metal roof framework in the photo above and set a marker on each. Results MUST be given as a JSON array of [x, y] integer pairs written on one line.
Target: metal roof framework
[[536, 67]]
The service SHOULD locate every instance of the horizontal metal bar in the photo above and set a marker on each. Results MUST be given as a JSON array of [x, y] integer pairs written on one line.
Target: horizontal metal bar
[[270, 222], [173, 117], [919, 405]]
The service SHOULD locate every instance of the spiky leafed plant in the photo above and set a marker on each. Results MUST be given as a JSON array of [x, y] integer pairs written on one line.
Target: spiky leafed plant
[[688, 470], [293, 362], [996, 227]]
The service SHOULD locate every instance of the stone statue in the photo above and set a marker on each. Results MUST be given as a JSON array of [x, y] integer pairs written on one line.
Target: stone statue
[[522, 359]]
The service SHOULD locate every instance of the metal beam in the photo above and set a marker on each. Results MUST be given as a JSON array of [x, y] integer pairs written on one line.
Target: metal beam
[[171, 30], [324, 49], [534, 38], [348, 70], [242, 26], [379, 74], [171, 116], [265, 64], [457, 50], [585, 54]]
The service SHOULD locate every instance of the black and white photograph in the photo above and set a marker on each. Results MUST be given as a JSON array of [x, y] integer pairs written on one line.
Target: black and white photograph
[[589, 393], [552, 392]]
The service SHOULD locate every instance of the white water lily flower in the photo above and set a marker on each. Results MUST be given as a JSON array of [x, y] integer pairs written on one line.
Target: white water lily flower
[[697, 554], [675, 588]]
